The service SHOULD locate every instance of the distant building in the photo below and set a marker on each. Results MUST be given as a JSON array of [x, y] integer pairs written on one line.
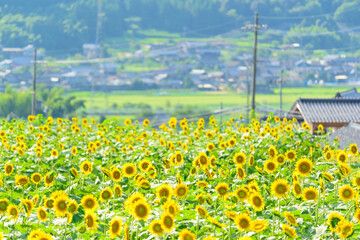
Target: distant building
[[352, 93], [92, 50], [331, 113], [347, 135]]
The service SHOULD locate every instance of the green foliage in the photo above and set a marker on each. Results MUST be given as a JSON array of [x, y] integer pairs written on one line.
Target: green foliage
[[18, 103], [68, 24]]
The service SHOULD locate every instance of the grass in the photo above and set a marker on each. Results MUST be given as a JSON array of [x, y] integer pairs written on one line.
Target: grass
[[204, 100]]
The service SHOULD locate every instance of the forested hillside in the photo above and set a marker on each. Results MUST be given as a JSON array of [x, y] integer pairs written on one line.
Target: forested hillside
[[64, 24]]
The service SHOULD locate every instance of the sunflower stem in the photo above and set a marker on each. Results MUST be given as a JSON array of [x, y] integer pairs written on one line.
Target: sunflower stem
[[230, 230], [317, 212], [137, 231], [197, 226]]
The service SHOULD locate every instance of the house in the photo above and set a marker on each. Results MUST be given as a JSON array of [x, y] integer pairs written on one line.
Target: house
[[352, 93], [92, 50], [347, 135], [330, 112], [108, 68]]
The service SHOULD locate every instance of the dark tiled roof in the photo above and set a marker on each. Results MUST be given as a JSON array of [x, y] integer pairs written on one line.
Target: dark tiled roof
[[328, 110], [347, 135], [352, 93]]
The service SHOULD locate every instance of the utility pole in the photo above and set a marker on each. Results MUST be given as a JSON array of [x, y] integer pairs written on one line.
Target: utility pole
[[33, 109], [281, 83], [221, 114], [255, 27], [99, 27], [253, 87]]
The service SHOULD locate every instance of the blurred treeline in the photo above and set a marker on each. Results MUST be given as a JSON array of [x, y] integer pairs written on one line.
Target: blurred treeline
[[67, 24]]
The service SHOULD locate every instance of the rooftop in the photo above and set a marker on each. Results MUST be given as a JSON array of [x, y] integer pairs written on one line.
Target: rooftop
[[324, 110], [352, 93], [347, 135]]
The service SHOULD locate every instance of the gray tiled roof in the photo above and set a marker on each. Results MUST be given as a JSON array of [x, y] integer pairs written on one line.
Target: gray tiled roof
[[332, 110], [352, 93], [347, 135]]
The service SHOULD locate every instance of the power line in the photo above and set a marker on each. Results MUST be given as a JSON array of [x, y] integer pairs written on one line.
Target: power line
[[306, 16]]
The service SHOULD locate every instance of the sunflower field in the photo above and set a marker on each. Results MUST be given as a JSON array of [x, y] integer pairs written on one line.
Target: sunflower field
[[78, 179]]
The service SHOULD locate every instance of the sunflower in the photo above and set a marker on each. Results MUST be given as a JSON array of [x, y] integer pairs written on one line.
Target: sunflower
[[13, 211], [144, 165], [186, 235], [73, 206], [289, 231], [328, 155], [290, 155], [345, 169], [270, 166], [140, 210], [91, 221], [354, 149], [115, 174], [203, 160], [357, 215], [28, 205], [167, 222], [356, 181], [74, 150], [86, 167], [222, 189], [272, 151], [129, 170], [132, 199], [310, 193], [89, 203], [4, 203], [74, 172], [54, 153], [216, 222], [118, 190], [42, 214], [201, 211], [245, 238], [257, 202], [145, 184], [344, 228], [179, 159], [115, 227], [291, 219], [342, 157], [210, 147], [240, 172], [241, 193], [243, 221], [280, 159], [171, 207], [303, 166], [105, 194], [49, 179], [36, 178], [202, 184], [164, 190], [240, 158], [280, 188], [9, 168], [21, 180], [327, 176], [155, 228], [258, 225], [48, 203], [347, 193], [333, 219], [181, 190], [61, 206]]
